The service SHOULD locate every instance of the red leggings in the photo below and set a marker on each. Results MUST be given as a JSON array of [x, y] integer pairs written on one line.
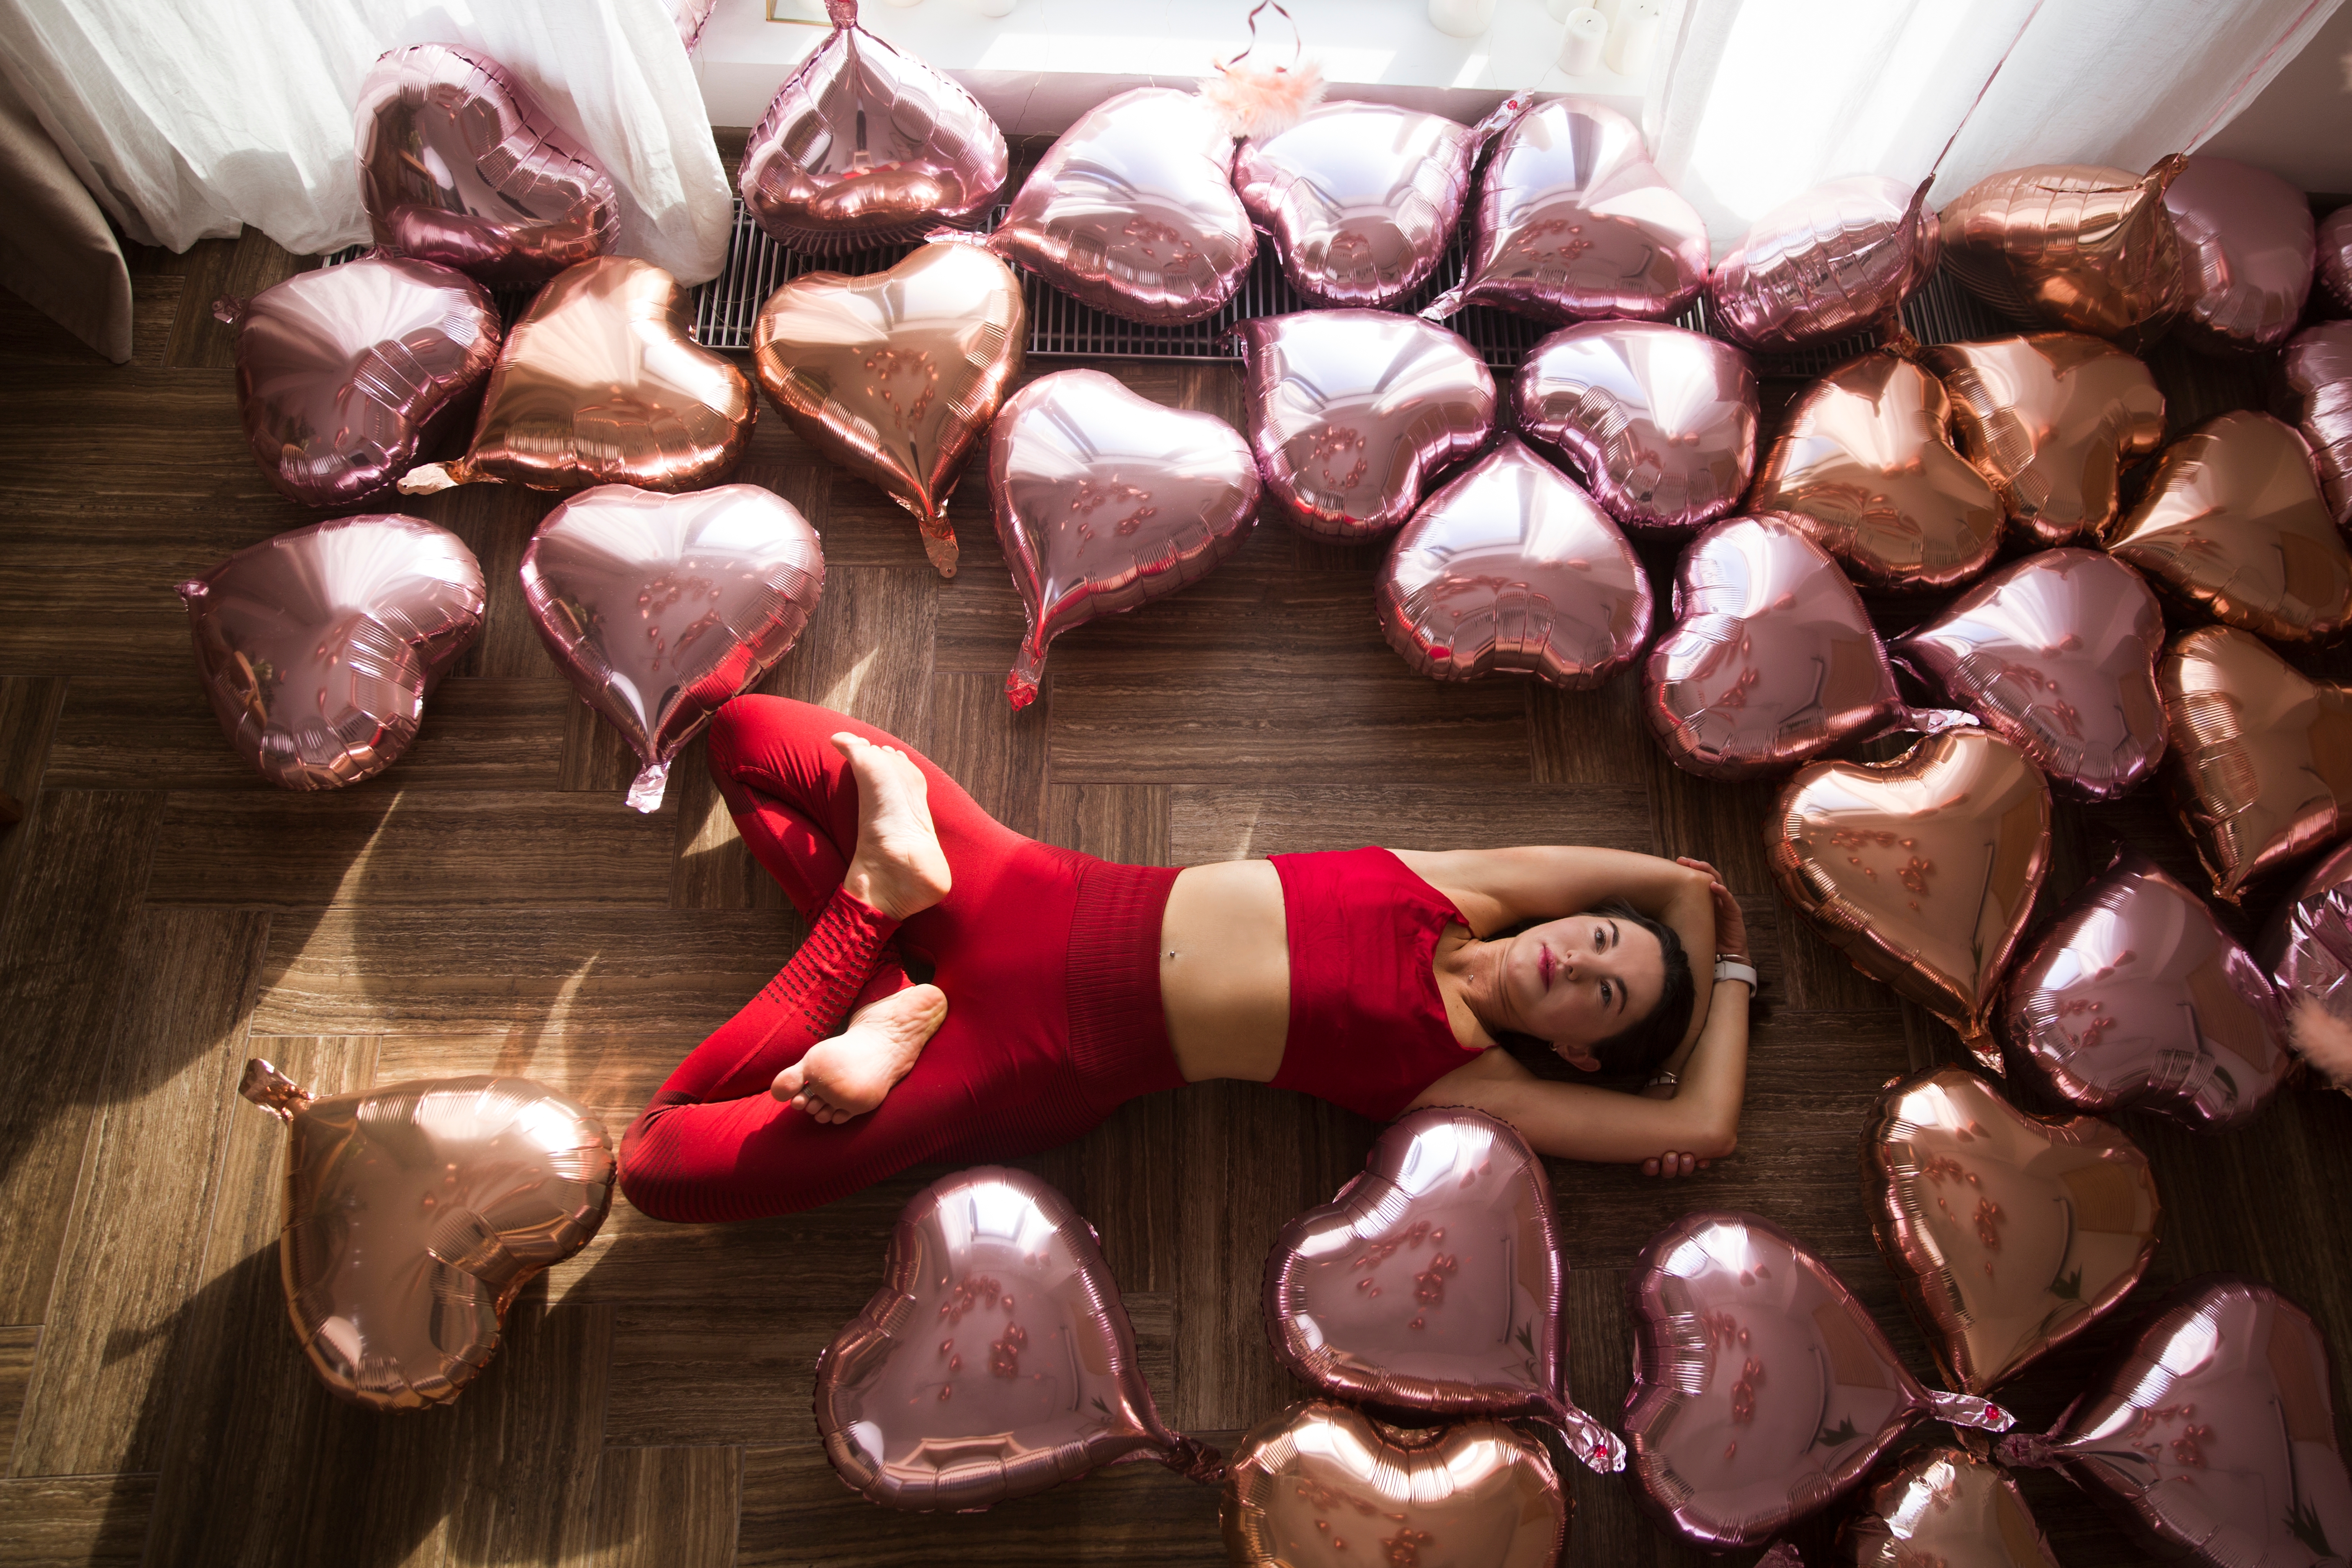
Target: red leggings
[[1050, 960]]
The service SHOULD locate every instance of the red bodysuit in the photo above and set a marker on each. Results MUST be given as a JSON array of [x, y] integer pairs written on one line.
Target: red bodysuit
[[1051, 963]]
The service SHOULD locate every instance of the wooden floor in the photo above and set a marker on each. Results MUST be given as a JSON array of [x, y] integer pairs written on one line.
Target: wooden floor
[[490, 904]]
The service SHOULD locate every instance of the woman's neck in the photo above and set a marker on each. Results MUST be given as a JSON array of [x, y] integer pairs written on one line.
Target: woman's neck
[[1469, 973]]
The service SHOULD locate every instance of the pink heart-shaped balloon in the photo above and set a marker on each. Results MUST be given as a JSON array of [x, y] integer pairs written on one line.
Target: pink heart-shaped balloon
[[2247, 249], [1510, 566], [2136, 997], [1771, 660], [461, 165], [661, 608], [1433, 1283], [319, 647], [2057, 653], [1105, 500], [1352, 412], [2306, 949], [996, 1360], [2334, 245], [415, 1212], [346, 374], [1575, 222], [865, 146], [1361, 198], [600, 382], [1922, 870], [2315, 395], [1946, 1508], [1322, 1486], [1838, 260], [1762, 1390], [2214, 1437], [1660, 423], [1132, 211]]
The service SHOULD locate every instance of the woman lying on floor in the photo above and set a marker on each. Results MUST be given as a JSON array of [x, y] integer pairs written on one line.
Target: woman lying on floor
[[1062, 985]]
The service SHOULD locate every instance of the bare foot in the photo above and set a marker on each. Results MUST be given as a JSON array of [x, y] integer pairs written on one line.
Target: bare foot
[[849, 1074], [899, 868]]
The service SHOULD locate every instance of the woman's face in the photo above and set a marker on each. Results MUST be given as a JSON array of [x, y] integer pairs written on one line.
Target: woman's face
[[1578, 980]]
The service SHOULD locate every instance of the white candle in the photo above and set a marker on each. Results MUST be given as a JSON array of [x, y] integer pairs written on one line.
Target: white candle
[[1579, 46], [1461, 18], [1634, 37]]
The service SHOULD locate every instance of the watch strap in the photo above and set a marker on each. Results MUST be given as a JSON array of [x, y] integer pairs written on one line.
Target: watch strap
[[1734, 969]]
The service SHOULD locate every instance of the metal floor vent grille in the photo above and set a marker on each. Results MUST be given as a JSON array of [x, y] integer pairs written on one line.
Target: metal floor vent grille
[[1060, 327]]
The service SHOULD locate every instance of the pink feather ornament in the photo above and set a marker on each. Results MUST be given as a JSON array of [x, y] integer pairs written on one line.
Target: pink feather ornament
[[1260, 101], [2324, 1040]]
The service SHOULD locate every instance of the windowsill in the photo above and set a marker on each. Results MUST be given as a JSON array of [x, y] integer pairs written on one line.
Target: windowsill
[[1049, 61]]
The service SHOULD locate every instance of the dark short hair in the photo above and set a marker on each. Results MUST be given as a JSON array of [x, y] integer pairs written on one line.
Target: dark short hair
[[1648, 1040]]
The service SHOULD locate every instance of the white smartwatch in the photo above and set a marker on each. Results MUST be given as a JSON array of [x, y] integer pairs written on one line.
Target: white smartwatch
[[1727, 968]]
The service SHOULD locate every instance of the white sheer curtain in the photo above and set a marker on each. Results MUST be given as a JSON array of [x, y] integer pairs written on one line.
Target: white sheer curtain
[[1755, 101], [187, 117]]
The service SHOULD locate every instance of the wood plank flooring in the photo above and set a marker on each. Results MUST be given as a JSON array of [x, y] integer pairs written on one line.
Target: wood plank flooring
[[490, 904]]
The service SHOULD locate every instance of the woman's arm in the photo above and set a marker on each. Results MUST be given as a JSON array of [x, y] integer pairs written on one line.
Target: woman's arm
[[1578, 1122], [1498, 888]]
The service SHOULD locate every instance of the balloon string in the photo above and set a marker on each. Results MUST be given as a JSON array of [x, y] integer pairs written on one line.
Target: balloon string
[[1296, 42], [2230, 103], [1978, 102]]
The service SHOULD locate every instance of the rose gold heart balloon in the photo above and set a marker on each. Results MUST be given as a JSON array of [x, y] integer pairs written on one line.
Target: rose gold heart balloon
[[2073, 245], [1352, 411], [2212, 1439], [459, 163], [2307, 948], [1659, 422], [996, 1360], [1509, 566], [1840, 259], [1944, 1507], [2047, 419], [1105, 500], [1433, 1283], [865, 146], [1361, 198], [2260, 765], [415, 1212], [2334, 243], [2011, 1234], [894, 375], [1922, 870], [1132, 211], [344, 374], [2247, 253], [319, 647], [1575, 222], [2057, 654], [2134, 997], [2316, 396], [600, 383], [1771, 660], [1866, 457], [1320, 1485], [2233, 524], [661, 608], [1762, 1391]]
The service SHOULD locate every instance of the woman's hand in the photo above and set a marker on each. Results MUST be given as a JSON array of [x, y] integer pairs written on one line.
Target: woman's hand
[[1731, 925], [1671, 1164]]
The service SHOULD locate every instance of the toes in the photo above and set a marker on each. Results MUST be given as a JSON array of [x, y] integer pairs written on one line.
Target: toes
[[789, 1083]]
